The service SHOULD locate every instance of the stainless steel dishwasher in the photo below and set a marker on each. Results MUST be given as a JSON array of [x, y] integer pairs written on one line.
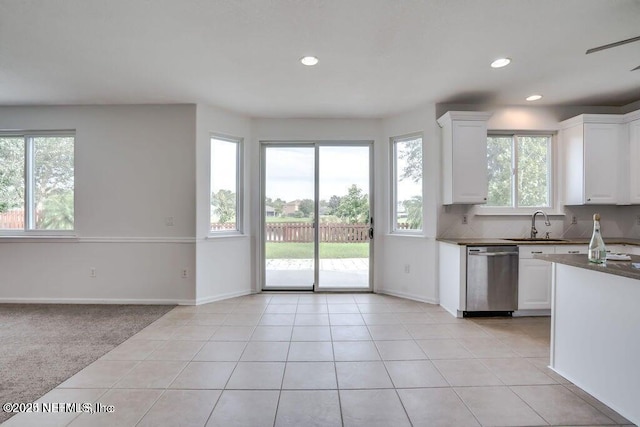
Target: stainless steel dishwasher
[[492, 280]]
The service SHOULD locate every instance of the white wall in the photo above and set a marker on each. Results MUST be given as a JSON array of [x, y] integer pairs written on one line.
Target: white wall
[[419, 252], [134, 167], [224, 264]]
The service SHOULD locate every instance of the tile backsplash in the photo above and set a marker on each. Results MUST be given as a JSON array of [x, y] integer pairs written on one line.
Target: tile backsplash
[[617, 221]]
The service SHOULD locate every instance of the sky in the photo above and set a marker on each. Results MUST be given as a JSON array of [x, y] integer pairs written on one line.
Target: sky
[[290, 171]]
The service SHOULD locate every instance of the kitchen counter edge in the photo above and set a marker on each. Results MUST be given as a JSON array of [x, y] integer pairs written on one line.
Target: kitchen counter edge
[[501, 242], [618, 268]]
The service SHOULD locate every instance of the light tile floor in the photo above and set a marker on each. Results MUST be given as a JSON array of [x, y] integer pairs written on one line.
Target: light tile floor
[[326, 360]]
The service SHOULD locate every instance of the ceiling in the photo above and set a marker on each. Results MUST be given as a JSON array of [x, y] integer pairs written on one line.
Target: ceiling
[[377, 57]]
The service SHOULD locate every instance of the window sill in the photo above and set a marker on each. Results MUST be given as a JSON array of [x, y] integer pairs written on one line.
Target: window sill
[[419, 234], [225, 235], [485, 211]]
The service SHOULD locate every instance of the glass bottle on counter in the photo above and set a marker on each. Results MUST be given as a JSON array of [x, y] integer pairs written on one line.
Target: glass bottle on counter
[[597, 250]]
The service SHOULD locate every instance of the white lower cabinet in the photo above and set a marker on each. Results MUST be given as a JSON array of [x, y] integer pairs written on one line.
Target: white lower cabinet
[[534, 279]]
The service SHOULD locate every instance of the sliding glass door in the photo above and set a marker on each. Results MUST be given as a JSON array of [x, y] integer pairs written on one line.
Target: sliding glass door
[[316, 210], [344, 246], [288, 216]]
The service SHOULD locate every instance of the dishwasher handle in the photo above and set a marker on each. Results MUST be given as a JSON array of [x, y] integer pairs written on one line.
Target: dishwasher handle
[[493, 253]]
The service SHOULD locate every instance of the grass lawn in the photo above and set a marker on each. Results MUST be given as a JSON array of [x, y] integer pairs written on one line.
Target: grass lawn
[[305, 250]]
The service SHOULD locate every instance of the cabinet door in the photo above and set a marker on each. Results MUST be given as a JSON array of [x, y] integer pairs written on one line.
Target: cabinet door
[[634, 158], [572, 249], [601, 145], [469, 161], [534, 284]]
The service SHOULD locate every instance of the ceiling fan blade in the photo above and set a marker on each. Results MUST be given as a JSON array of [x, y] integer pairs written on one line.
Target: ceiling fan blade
[[610, 45], [637, 68]]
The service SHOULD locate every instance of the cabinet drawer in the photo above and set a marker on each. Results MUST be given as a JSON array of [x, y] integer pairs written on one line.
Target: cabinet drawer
[[572, 249], [529, 251]]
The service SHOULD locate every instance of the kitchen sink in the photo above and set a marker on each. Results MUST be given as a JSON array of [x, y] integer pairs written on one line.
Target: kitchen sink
[[529, 239]]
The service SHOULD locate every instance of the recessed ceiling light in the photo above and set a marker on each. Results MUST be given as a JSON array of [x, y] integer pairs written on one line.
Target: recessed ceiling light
[[534, 97], [309, 60], [500, 62]]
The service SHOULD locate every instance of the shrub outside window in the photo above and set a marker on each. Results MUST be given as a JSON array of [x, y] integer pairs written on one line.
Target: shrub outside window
[[225, 185], [406, 184], [37, 181], [519, 171]]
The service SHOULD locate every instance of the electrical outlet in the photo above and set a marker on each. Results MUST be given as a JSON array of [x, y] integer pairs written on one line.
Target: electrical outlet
[[574, 220], [92, 272], [464, 219], [185, 273], [168, 221], [407, 268]]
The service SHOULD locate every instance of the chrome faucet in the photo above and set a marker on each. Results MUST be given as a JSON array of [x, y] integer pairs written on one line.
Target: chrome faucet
[[534, 231]]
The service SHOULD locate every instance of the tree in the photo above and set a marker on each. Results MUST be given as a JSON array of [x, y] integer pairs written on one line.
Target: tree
[[224, 205], [354, 207], [499, 166], [57, 212], [306, 207], [11, 173], [333, 204], [411, 153], [413, 207]]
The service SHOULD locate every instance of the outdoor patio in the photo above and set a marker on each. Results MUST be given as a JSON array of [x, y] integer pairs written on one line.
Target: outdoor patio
[[334, 273]]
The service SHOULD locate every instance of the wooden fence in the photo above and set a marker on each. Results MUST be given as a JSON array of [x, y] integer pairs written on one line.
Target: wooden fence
[[12, 220], [303, 232]]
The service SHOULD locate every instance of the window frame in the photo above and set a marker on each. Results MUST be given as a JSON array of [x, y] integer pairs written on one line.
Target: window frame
[[28, 137], [515, 209], [239, 230], [393, 141]]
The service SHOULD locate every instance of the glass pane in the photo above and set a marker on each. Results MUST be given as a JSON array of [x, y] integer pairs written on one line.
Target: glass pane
[[499, 170], [533, 171], [289, 225], [344, 217], [408, 184], [224, 180], [53, 182], [11, 183]]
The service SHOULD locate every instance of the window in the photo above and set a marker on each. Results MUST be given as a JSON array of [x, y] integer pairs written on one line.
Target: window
[[226, 173], [36, 181], [519, 171], [407, 184]]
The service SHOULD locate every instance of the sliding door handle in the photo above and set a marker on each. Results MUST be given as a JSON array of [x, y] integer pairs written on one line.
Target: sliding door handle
[[371, 233]]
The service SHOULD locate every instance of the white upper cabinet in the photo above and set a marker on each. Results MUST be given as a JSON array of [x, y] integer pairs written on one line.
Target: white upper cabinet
[[592, 144], [634, 159], [464, 157]]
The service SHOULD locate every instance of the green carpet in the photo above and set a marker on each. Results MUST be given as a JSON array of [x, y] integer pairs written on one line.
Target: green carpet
[[44, 344]]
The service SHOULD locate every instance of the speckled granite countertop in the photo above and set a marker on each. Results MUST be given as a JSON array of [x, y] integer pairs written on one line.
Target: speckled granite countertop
[[505, 241], [618, 268]]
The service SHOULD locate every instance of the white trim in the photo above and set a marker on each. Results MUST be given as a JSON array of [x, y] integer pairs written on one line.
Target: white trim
[[214, 298], [408, 296], [592, 118], [140, 301], [629, 117], [76, 239], [234, 235], [502, 211], [420, 235], [464, 115], [136, 239]]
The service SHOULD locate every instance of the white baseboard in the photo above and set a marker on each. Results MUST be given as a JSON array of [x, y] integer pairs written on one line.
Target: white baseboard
[[136, 301], [407, 296], [221, 297]]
